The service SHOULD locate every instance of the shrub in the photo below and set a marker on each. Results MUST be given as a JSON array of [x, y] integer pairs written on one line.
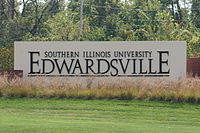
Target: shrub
[[6, 58]]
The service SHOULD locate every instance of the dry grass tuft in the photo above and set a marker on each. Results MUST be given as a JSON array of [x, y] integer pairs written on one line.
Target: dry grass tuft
[[182, 90]]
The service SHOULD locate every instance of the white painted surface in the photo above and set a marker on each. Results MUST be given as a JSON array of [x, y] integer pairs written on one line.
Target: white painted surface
[[176, 58]]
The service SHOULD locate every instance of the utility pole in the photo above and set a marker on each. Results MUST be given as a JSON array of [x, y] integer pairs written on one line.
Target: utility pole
[[81, 18]]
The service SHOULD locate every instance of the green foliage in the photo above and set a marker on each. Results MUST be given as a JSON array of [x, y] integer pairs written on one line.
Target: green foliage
[[96, 34], [62, 27], [194, 47], [195, 15], [6, 58], [104, 20]]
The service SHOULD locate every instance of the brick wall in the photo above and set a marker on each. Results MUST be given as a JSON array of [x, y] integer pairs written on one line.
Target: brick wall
[[11, 73], [193, 66]]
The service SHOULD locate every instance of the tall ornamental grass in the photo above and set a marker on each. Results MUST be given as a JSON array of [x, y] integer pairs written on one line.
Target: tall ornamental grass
[[182, 90]]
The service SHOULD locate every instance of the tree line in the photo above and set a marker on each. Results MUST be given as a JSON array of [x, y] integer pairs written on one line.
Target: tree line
[[103, 20]]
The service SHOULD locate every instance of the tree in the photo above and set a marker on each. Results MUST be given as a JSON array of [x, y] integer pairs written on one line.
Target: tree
[[196, 13], [43, 11], [63, 27]]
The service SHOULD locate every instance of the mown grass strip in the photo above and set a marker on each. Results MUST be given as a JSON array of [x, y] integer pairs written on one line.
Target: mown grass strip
[[97, 116]]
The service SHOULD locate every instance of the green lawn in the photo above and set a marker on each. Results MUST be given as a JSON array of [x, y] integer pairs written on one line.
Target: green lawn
[[97, 116]]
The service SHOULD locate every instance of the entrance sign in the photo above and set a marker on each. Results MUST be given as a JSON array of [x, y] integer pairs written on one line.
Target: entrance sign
[[102, 59]]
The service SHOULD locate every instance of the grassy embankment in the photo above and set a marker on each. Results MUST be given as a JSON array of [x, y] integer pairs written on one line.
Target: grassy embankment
[[183, 90], [97, 116]]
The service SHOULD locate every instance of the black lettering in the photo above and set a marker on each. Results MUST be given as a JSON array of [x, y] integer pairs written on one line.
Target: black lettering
[[141, 63], [34, 62], [134, 66], [89, 66], [150, 67], [114, 67], [45, 54], [124, 69], [99, 66], [162, 62], [77, 66], [64, 64], [44, 61]]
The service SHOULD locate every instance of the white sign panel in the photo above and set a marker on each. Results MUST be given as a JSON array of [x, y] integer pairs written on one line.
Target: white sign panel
[[102, 59]]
